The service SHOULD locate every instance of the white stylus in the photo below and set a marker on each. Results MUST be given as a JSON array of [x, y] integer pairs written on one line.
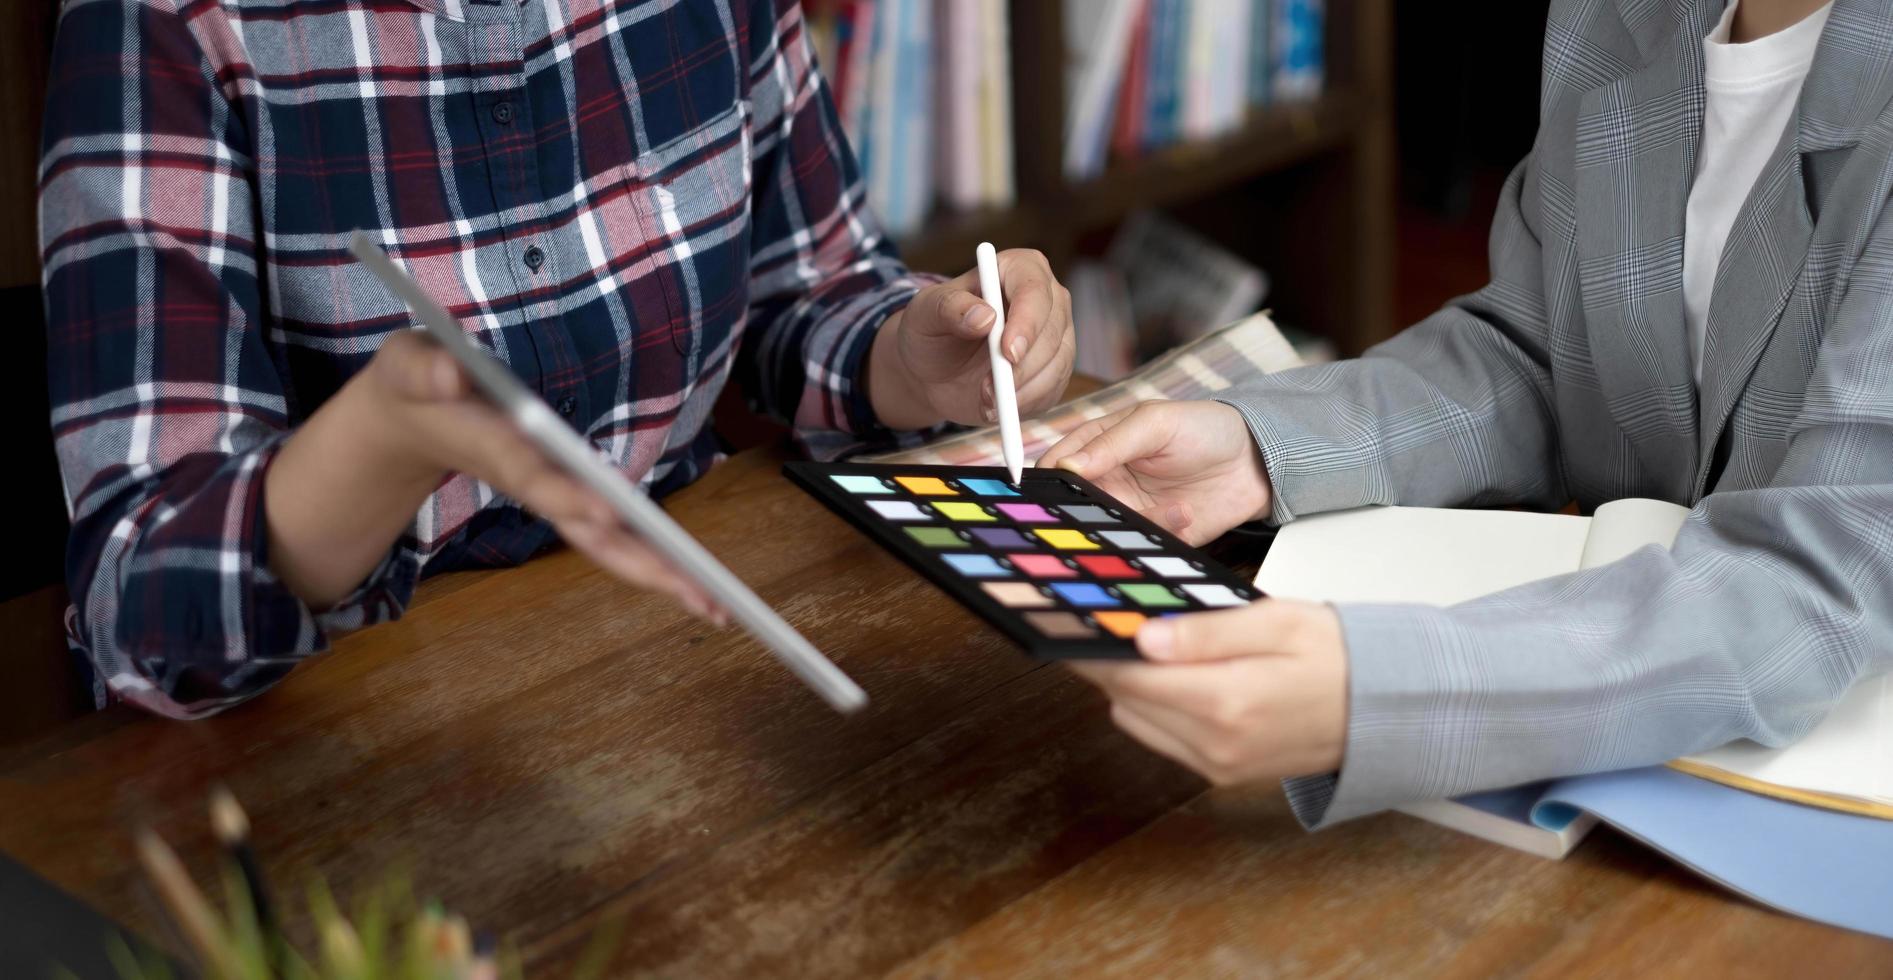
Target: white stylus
[[1005, 396]]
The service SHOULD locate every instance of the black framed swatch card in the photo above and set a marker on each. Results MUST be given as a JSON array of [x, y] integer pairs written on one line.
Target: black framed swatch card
[[1055, 563]]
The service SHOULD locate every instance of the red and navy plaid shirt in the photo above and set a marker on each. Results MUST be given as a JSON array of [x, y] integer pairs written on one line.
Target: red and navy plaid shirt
[[627, 200]]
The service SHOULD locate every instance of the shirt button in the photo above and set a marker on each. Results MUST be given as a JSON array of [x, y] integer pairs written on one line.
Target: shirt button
[[535, 258], [503, 113], [567, 406]]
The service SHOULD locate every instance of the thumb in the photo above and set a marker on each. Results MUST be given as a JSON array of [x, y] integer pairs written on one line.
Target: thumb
[[1255, 629], [416, 368], [951, 309]]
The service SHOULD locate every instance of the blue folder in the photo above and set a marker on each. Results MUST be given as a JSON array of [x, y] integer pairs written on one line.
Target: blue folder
[[1824, 865]]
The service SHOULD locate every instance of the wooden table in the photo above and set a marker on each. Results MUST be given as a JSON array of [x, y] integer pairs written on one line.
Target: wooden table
[[547, 751]]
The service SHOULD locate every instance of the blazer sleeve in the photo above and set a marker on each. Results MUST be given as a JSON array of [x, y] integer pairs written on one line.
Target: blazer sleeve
[[1454, 410], [1771, 604]]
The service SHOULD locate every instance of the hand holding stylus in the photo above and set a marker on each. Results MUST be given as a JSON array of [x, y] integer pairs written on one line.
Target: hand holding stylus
[[931, 362]]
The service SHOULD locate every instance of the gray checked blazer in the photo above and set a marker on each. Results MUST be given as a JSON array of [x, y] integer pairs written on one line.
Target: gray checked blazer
[[1569, 377]]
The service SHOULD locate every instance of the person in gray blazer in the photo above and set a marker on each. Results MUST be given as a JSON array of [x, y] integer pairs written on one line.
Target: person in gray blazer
[[1691, 299]]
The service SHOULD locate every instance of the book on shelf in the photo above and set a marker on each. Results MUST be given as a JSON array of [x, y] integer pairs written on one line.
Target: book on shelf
[[997, 175], [1127, 126], [1162, 98], [900, 129], [1142, 75], [1261, 80], [923, 89], [974, 95], [1297, 64], [1098, 36]]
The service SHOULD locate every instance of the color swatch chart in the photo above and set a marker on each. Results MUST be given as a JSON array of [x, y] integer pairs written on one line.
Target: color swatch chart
[[1056, 563]]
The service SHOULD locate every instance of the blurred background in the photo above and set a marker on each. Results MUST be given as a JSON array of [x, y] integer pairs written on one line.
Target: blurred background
[[1182, 162]]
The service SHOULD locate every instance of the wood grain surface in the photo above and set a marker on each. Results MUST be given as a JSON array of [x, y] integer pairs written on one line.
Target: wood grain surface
[[550, 754]]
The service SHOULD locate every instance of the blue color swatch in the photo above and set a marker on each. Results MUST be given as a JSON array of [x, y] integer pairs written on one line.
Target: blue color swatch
[[989, 488], [1084, 595], [977, 566]]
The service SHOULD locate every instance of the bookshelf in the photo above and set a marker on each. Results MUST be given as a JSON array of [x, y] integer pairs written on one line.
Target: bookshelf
[[1303, 189]]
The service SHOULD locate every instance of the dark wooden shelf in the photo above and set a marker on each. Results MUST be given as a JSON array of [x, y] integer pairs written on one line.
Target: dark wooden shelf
[[946, 244], [1302, 190], [1275, 137]]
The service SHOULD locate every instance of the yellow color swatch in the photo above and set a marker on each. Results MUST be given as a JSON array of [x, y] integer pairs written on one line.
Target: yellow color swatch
[[1122, 624], [926, 486], [1065, 538], [959, 510]]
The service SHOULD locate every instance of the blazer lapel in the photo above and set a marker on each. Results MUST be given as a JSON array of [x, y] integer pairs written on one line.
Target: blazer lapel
[[1846, 89], [1636, 154], [1766, 250]]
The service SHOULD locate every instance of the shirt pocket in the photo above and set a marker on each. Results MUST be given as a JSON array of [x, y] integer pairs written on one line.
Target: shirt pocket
[[693, 195]]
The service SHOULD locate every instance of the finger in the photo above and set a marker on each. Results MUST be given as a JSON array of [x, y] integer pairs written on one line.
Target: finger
[[1077, 439], [558, 498], [952, 308], [1155, 737], [1046, 344], [623, 555], [412, 366], [496, 453], [619, 541], [1026, 280], [1195, 729], [626, 552], [1103, 673], [1188, 688], [1047, 385], [1144, 432], [1264, 627]]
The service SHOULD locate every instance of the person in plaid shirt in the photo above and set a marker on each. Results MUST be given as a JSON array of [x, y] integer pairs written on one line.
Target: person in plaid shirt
[[629, 201]]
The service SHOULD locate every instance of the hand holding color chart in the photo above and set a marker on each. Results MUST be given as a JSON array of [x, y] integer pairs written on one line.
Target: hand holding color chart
[[1056, 563]]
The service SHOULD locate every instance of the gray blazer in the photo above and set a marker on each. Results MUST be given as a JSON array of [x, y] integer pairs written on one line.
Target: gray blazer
[[1569, 377]]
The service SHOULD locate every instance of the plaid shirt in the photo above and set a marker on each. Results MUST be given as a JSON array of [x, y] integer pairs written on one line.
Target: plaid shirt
[[627, 200]]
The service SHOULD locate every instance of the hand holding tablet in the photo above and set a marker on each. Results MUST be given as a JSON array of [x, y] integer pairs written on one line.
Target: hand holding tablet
[[666, 550]]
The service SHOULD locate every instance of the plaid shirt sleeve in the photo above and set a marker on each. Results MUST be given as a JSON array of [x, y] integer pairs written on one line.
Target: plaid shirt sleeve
[[824, 276], [168, 405]]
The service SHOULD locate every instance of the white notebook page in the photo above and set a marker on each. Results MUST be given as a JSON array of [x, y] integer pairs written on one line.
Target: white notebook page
[[1442, 557], [1418, 554]]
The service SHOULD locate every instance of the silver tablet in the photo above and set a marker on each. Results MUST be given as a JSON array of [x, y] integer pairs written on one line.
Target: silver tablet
[[570, 451]]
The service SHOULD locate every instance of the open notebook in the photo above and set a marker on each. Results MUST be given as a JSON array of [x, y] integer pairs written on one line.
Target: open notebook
[[1394, 554], [1826, 861]]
